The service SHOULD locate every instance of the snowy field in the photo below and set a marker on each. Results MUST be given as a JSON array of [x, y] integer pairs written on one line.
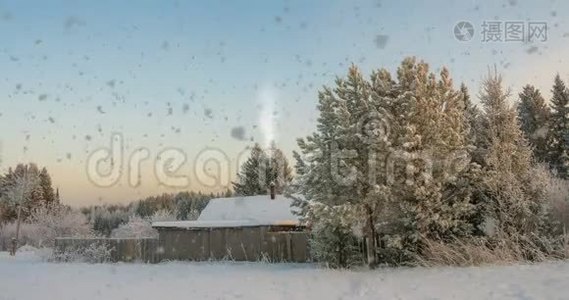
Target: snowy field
[[26, 277]]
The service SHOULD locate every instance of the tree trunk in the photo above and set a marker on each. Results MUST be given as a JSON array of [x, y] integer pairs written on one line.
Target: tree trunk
[[15, 242], [370, 239]]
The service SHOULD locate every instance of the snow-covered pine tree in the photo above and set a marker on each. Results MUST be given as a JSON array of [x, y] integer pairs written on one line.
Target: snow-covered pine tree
[[432, 192], [371, 157], [250, 179], [515, 204], [533, 115], [330, 176], [261, 169], [558, 140]]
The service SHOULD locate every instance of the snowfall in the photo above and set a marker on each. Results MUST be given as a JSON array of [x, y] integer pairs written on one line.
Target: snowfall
[[26, 276]]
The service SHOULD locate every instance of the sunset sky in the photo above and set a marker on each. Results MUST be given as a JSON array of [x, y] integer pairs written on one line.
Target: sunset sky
[[212, 77]]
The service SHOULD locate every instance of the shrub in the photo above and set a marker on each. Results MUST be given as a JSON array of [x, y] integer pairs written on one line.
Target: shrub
[[45, 224], [94, 253], [136, 227], [481, 251], [58, 221]]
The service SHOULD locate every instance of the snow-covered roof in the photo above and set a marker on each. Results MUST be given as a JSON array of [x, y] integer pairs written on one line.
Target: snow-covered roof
[[241, 212]]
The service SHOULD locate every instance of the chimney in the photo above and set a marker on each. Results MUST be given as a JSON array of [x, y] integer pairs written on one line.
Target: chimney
[[272, 185]]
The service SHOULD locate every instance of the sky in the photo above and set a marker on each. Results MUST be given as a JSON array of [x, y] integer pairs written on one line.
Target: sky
[[178, 90]]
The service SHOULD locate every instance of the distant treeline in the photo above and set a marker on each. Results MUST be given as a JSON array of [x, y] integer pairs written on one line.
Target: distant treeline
[[182, 205]]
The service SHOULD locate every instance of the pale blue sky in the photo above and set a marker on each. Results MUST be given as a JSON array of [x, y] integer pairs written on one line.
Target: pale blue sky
[[185, 74]]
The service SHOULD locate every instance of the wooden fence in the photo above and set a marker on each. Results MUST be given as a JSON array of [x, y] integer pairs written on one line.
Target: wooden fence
[[238, 244]]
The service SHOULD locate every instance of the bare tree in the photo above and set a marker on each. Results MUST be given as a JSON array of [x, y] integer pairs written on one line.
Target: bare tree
[[17, 194]]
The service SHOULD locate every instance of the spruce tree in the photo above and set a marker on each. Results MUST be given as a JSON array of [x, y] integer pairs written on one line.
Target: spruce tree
[[250, 179], [558, 139], [533, 115], [514, 204]]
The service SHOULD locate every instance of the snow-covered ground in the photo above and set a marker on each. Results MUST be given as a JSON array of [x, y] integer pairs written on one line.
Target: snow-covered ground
[[27, 277]]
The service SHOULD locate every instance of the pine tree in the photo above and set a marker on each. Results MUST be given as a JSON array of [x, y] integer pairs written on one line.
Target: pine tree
[[434, 188], [558, 139], [378, 161], [533, 115], [48, 194]]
